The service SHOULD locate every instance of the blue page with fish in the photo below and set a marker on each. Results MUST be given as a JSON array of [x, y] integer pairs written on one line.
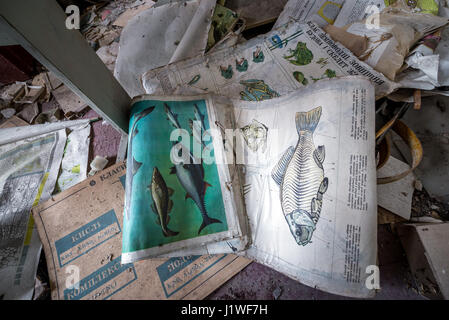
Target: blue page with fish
[[180, 191]]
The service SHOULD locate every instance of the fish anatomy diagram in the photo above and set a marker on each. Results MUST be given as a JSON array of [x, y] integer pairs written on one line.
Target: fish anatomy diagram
[[290, 183], [300, 175]]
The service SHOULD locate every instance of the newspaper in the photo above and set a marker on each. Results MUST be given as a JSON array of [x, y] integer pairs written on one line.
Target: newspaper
[[291, 57], [28, 173], [357, 10], [180, 197], [310, 184], [322, 12], [392, 34]]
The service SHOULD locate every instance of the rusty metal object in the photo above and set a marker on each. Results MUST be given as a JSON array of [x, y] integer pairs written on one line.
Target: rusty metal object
[[384, 151], [415, 146]]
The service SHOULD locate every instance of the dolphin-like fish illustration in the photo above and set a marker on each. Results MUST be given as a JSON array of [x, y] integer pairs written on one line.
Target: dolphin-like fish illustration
[[162, 204], [131, 162], [198, 116], [191, 177], [300, 175], [172, 117], [195, 127]]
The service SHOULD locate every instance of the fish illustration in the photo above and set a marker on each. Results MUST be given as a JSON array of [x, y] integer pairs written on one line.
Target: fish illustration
[[256, 90], [162, 204], [194, 80], [198, 116], [131, 162], [300, 175], [191, 177], [172, 117], [195, 127]]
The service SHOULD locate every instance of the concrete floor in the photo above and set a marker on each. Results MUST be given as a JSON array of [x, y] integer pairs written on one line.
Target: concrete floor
[[259, 282]]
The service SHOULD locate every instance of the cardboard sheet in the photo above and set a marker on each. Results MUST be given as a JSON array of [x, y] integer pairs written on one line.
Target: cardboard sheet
[[81, 230]]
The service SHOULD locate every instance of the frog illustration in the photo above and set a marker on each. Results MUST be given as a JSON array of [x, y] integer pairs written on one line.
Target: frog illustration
[[301, 55], [256, 90]]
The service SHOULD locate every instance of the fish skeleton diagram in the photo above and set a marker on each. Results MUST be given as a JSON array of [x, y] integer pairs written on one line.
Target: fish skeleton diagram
[[300, 176]]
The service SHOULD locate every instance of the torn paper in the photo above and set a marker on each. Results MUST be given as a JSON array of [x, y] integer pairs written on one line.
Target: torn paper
[[321, 12], [266, 67], [392, 35], [28, 172], [74, 163], [155, 37]]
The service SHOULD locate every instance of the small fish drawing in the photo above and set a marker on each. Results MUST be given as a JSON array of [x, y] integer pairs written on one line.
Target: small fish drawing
[[191, 177], [194, 80], [162, 204], [131, 161], [300, 175]]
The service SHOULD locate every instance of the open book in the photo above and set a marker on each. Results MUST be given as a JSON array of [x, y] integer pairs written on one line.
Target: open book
[[289, 182]]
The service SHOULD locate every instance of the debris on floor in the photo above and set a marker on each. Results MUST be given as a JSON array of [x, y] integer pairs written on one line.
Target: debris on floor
[[179, 47], [98, 164], [396, 196], [426, 247]]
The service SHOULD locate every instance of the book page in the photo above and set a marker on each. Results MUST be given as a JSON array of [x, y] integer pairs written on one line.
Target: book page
[[310, 184], [291, 57], [181, 192]]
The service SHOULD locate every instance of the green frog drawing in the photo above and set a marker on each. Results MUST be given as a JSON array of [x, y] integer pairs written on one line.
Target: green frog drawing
[[301, 55]]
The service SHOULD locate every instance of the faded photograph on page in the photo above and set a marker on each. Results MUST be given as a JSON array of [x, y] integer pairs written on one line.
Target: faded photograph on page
[[291, 57], [310, 183]]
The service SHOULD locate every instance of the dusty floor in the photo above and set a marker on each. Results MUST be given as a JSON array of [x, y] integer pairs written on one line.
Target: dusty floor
[[259, 282]]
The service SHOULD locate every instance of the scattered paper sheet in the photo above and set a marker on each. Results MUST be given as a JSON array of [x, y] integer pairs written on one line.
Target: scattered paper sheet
[[392, 35], [358, 10], [265, 67], [320, 11], [74, 162], [28, 173], [159, 35]]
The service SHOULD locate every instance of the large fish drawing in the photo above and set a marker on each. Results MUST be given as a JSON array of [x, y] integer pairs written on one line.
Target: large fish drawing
[[162, 204], [191, 175], [131, 162], [300, 175], [197, 126]]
